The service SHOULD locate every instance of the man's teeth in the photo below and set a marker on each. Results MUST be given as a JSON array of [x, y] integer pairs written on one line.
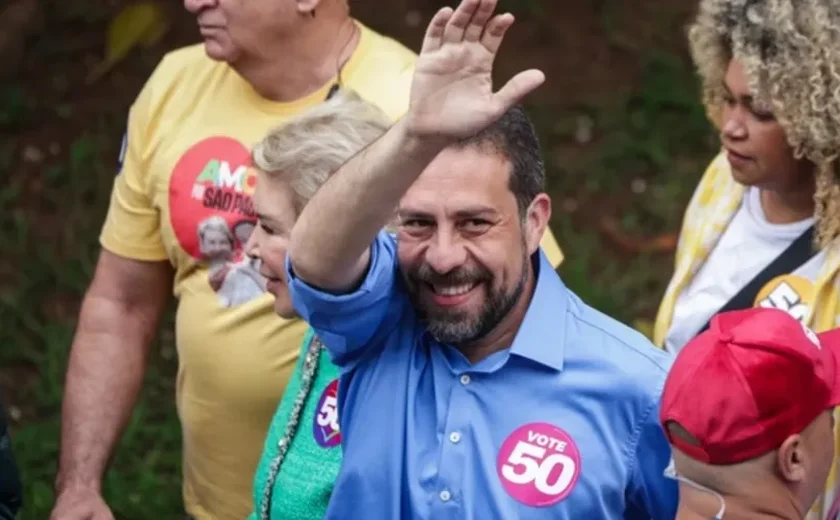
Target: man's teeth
[[453, 290]]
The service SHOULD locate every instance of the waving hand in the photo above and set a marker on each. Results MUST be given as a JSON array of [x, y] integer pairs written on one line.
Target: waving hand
[[452, 93]]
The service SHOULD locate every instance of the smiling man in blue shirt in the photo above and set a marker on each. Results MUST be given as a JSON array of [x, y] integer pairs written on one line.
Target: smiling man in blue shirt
[[474, 384]]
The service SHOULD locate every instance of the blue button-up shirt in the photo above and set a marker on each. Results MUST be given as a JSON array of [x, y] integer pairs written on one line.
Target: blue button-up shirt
[[562, 425]]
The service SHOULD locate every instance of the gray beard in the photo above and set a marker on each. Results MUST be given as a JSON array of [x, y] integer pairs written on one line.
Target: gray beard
[[457, 328]]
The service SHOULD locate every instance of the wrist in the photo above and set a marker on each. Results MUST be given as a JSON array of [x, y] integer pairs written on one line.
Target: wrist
[[73, 483], [420, 144]]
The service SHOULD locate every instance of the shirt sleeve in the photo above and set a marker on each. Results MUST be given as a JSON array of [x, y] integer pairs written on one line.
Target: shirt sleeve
[[651, 494], [354, 325], [132, 224]]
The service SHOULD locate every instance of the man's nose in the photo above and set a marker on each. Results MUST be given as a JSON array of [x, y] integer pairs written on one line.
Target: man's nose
[[194, 6], [446, 253]]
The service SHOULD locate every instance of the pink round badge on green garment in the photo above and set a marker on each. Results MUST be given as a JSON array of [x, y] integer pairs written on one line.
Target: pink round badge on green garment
[[539, 464], [325, 424]]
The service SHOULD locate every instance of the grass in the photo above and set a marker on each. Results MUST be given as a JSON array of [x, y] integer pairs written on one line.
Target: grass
[[51, 250], [647, 150], [56, 205]]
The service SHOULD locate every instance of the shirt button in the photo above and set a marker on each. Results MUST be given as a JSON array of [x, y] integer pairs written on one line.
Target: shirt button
[[445, 495], [455, 437], [465, 379]]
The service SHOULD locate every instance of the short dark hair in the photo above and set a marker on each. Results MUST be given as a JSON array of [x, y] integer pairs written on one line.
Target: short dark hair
[[513, 136]]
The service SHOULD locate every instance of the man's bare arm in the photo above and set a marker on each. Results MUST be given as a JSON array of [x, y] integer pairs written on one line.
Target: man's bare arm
[[451, 98], [117, 324]]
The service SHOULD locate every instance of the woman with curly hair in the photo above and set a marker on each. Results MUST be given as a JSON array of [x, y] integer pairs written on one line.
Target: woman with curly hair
[[762, 227]]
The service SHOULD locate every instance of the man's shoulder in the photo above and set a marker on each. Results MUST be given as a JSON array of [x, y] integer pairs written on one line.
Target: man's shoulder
[[620, 348], [382, 72], [188, 56], [183, 63], [395, 53]]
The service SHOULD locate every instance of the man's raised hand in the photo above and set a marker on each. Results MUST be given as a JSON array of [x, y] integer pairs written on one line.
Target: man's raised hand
[[452, 92]]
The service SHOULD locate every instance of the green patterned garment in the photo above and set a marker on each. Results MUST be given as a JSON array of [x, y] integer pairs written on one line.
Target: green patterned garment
[[304, 481]]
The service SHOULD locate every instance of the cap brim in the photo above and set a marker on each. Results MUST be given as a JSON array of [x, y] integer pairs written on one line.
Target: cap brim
[[830, 342]]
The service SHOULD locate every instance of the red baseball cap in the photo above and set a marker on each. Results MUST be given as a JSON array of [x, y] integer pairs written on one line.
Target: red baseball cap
[[751, 380]]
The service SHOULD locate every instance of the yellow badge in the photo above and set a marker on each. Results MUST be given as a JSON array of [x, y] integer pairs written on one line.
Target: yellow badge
[[791, 293]]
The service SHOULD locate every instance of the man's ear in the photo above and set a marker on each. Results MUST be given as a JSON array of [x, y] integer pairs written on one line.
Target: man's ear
[[307, 7], [536, 221], [792, 459]]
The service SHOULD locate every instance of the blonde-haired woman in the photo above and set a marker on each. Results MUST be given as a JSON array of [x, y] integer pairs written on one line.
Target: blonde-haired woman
[[301, 456], [762, 227]]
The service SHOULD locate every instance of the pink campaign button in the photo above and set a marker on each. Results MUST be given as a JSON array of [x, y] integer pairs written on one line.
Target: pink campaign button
[[325, 423], [539, 464]]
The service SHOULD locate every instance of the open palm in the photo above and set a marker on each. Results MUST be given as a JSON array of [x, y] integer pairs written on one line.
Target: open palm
[[452, 91]]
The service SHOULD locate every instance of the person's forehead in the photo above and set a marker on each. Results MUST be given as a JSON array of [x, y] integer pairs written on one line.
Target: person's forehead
[[273, 199], [735, 80], [460, 178]]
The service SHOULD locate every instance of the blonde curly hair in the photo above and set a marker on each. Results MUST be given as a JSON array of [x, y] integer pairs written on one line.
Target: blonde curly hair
[[790, 51]]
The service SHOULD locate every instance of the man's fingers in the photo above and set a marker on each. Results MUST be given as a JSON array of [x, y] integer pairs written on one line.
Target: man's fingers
[[495, 32], [479, 20], [518, 87], [434, 32], [457, 25]]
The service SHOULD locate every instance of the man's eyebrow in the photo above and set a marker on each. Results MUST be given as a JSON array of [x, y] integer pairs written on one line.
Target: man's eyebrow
[[477, 211], [411, 214], [469, 212]]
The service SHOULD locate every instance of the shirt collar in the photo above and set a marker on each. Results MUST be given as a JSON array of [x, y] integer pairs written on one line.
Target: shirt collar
[[541, 336]]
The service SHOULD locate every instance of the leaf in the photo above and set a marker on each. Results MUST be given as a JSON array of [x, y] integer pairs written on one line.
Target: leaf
[[138, 24]]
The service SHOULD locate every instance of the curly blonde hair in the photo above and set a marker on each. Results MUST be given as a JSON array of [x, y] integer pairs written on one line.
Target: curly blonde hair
[[790, 51]]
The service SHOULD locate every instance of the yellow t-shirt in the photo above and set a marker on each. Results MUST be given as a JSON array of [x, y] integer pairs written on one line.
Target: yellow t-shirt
[[183, 195]]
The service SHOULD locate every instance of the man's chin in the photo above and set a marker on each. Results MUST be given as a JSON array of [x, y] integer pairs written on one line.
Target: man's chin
[[452, 333], [216, 51], [441, 316]]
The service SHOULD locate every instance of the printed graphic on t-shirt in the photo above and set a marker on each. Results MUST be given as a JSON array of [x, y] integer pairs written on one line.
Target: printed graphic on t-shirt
[[539, 464], [212, 215], [325, 425], [790, 293]]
